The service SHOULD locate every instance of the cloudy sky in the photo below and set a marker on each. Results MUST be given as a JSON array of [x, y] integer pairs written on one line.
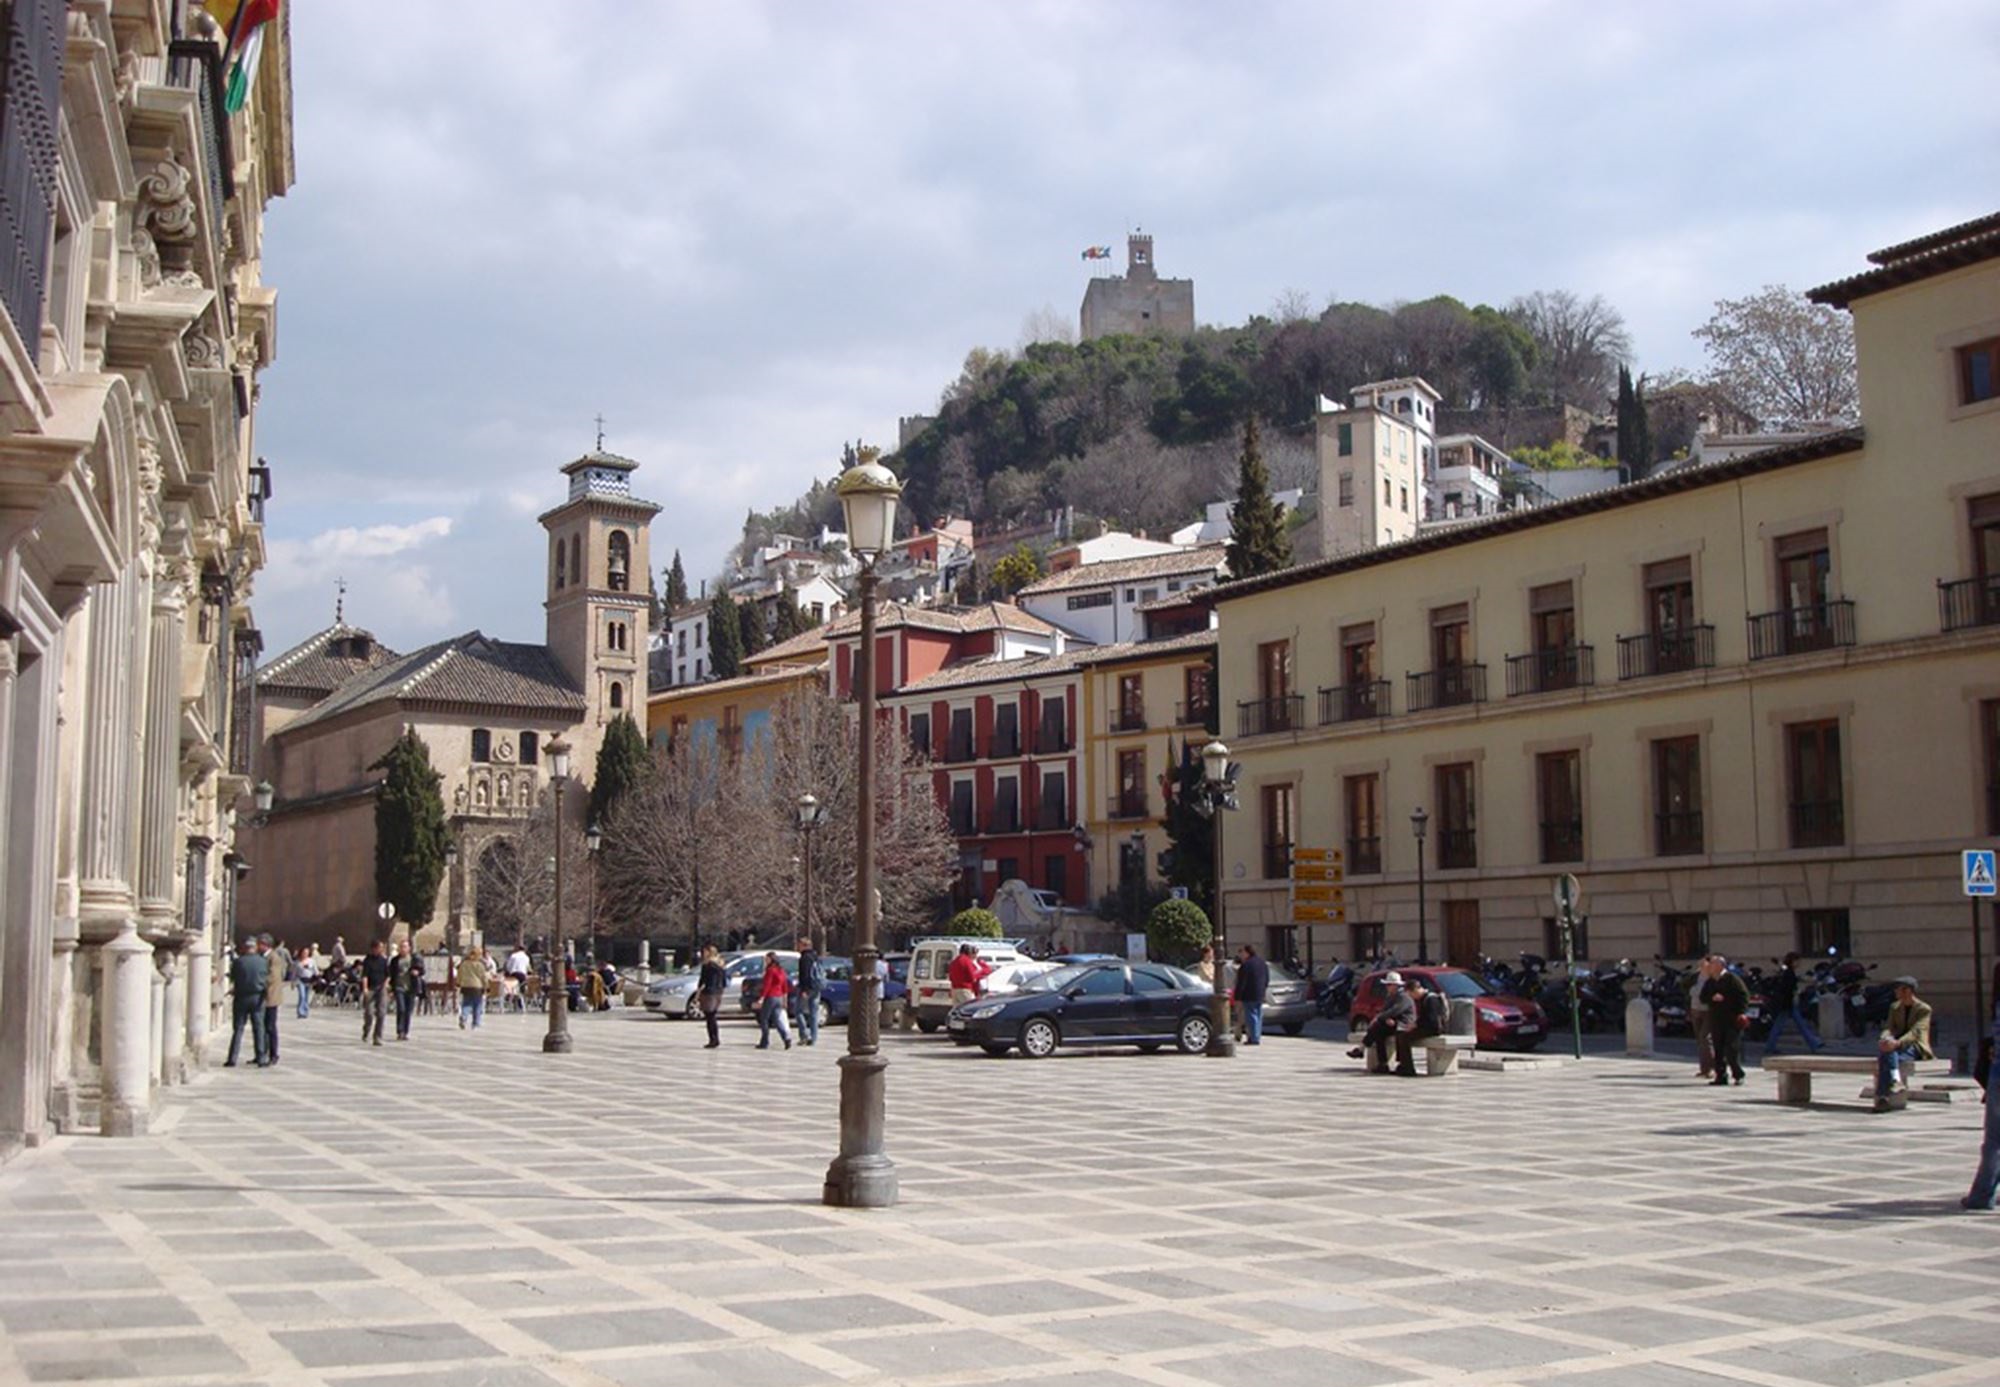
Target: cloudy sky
[[746, 232]]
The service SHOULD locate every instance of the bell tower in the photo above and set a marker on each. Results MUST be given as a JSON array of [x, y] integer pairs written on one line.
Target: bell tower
[[598, 604]]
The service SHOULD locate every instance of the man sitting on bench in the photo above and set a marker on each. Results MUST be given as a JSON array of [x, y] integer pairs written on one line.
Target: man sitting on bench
[[1907, 1035], [1398, 1011], [1433, 1014]]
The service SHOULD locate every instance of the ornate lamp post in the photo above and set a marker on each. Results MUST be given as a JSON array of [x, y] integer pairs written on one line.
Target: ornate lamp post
[[593, 841], [811, 815], [556, 1042], [1419, 822], [1218, 795], [451, 894], [861, 1176]]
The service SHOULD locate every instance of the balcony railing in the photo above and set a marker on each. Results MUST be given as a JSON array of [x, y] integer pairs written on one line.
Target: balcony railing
[[1667, 651], [1354, 702], [1798, 630], [1677, 834], [1199, 713], [196, 64], [958, 748], [1546, 671], [1050, 740], [1457, 847], [1004, 820], [1364, 855], [1128, 719], [1002, 745], [1277, 861], [1127, 806], [1562, 840], [1283, 713], [1969, 602], [1447, 688], [1050, 817], [1819, 823]]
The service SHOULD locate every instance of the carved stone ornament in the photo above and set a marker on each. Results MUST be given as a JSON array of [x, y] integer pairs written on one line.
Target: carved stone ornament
[[246, 352], [165, 218], [128, 74], [149, 466], [203, 352], [503, 751]]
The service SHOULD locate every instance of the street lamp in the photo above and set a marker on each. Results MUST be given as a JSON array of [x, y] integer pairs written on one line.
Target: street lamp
[[1419, 822], [811, 815], [556, 1042], [593, 840], [451, 894], [1218, 794], [862, 1176]]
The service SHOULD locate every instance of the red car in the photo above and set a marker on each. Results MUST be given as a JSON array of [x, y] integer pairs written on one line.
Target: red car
[[1504, 1022]]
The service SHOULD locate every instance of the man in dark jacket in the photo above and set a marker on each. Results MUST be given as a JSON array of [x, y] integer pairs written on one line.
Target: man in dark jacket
[[1433, 1013], [249, 974], [374, 991], [1398, 1011], [812, 980], [406, 980], [1728, 999], [1253, 981]]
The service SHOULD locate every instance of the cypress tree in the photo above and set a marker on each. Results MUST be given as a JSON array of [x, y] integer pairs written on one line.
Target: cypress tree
[[751, 614], [621, 762], [410, 833], [677, 584], [725, 637], [1633, 443], [1258, 543], [788, 623], [1642, 430]]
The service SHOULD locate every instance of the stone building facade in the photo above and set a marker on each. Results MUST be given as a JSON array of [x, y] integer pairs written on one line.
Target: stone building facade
[[1137, 302], [136, 324]]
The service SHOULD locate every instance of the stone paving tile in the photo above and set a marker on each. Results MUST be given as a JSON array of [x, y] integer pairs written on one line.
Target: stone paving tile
[[1062, 1223]]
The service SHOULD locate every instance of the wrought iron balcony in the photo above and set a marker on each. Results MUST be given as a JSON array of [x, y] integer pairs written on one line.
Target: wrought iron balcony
[[1457, 848], [1354, 702], [1677, 834], [1364, 855], [1799, 630], [1283, 713], [1198, 713], [1562, 840], [1128, 719], [1449, 687], [1818, 823], [1667, 651], [1547, 671], [196, 65], [1127, 806], [1969, 602]]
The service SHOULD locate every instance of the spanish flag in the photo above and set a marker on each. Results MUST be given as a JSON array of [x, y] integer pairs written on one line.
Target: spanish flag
[[244, 22]]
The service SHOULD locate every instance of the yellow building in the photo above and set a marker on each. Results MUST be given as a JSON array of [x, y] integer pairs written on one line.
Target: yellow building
[[1754, 705], [735, 710]]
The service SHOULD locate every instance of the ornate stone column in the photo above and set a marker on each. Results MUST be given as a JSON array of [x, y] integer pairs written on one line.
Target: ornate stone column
[[126, 1038], [198, 963], [62, 1059], [106, 822], [159, 773], [173, 1016], [156, 1010]]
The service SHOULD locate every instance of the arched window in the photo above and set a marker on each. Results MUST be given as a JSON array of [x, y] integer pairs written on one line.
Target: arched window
[[617, 696], [531, 748], [562, 566], [576, 558], [482, 744], [619, 562]]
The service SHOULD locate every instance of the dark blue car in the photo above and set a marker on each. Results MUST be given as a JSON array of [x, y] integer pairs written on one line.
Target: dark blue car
[[834, 997]]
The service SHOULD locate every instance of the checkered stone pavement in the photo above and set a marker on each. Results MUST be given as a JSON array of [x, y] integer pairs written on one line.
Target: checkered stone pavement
[[462, 1209]]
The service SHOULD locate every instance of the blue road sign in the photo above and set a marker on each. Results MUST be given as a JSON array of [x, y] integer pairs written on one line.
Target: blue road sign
[[1979, 871]]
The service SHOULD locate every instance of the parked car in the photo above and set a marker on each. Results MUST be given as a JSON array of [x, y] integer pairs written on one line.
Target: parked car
[[1103, 1003], [1288, 1002], [834, 997], [931, 988], [1502, 1022], [674, 995]]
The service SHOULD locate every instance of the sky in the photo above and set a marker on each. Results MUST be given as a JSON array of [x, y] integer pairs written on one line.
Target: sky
[[744, 233]]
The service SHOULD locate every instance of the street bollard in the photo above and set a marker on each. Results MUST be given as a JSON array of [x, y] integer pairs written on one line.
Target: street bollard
[[1464, 1017], [1832, 1016], [1638, 1027]]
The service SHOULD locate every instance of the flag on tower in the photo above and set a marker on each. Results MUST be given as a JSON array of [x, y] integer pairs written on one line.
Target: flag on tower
[[244, 22], [1097, 252]]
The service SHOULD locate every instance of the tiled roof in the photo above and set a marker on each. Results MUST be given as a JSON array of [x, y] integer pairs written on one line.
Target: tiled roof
[[776, 674], [793, 649], [1209, 558], [1140, 650], [467, 669], [325, 660], [1187, 596], [985, 671], [1940, 252], [1448, 535], [988, 616]]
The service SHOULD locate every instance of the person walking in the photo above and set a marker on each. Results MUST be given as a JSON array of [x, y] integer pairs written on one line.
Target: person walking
[[1397, 1012], [1433, 1016], [812, 981], [339, 954], [473, 975], [517, 970], [771, 996], [1704, 1038], [305, 969], [1253, 982], [374, 992], [278, 971], [1728, 1000], [249, 974], [1986, 1179], [709, 988], [406, 981], [1905, 1036], [1786, 999]]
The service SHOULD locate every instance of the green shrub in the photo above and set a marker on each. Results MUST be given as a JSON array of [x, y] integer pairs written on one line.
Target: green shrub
[[974, 924], [1176, 932]]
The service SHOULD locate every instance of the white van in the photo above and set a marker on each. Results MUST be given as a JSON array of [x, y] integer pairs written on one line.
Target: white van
[[930, 987]]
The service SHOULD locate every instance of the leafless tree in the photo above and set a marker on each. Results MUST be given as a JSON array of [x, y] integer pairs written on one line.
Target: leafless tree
[[1782, 358], [1292, 306], [516, 884], [1048, 324], [1580, 344]]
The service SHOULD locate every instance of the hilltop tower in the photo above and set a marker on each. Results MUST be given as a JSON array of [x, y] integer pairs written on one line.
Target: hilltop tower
[[1138, 301]]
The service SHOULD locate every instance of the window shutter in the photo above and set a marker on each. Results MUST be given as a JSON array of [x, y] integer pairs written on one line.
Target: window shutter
[[30, 95]]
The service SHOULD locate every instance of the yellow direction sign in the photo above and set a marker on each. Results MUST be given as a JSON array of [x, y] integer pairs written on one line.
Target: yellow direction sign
[[1324, 895], [1311, 855], [1320, 914], [1311, 872]]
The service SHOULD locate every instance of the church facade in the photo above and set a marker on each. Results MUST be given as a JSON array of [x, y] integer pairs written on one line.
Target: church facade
[[486, 710]]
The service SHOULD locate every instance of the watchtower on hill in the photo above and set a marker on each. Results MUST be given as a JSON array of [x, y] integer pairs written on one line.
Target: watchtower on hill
[[1138, 301]]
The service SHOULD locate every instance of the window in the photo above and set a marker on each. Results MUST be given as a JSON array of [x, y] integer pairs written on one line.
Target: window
[[1131, 596], [1346, 484], [681, 641], [1054, 812], [1979, 371], [1818, 933], [1010, 868], [1387, 486], [617, 695], [1552, 617], [1552, 937], [1812, 766], [531, 748], [1091, 599], [562, 565], [920, 734], [1131, 703], [1559, 784], [1345, 435], [1451, 636], [1130, 802], [1805, 569], [697, 667], [1055, 876], [1362, 796], [1055, 723], [1669, 596], [958, 740], [482, 744], [618, 562], [1006, 729], [1989, 753], [1274, 670], [1364, 940], [1197, 691], [1006, 808], [576, 559], [961, 808], [1683, 936], [1277, 825], [1457, 845], [1677, 796], [1403, 498], [1152, 979]]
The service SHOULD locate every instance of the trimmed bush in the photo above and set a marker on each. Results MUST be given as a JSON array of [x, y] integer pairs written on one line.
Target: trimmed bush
[[975, 924], [1176, 931]]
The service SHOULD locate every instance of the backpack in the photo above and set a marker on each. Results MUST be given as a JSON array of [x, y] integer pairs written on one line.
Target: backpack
[[812, 978]]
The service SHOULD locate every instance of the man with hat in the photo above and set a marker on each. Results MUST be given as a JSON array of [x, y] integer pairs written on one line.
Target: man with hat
[[1906, 1035], [1398, 1012]]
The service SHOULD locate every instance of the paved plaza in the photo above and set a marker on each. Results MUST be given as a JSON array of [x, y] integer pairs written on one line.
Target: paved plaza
[[462, 1209]]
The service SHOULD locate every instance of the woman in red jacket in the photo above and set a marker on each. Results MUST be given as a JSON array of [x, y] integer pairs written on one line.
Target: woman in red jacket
[[771, 994]]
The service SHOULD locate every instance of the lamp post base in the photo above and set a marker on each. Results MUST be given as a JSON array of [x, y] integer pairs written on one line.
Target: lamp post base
[[861, 1177], [1221, 1033], [557, 1044], [1221, 1045]]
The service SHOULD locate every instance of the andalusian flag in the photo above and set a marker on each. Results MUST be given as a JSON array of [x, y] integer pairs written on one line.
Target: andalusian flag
[[243, 21]]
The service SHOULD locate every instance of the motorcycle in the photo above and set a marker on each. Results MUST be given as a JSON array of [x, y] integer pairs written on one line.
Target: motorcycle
[[1336, 992]]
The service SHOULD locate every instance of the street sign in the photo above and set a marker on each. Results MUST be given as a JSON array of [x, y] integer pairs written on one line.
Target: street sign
[[1312, 873], [1979, 872], [1179, 893], [1321, 894], [1311, 855], [1320, 914], [387, 910], [1568, 894]]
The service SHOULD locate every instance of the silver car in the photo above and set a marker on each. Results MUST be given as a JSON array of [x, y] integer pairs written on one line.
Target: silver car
[[675, 994]]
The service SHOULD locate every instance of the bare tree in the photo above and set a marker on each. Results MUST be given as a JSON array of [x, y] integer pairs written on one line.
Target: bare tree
[[1580, 343], [1048, 324], [1783, 358], [668, 844], [517, 879], [1292, 306]]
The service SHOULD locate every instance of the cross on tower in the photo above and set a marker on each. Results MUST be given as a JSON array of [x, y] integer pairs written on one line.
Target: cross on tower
[[600, 433], [339, 600]]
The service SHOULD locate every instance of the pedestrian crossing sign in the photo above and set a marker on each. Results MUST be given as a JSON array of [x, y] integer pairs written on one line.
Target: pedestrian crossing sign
[[1979, 871]]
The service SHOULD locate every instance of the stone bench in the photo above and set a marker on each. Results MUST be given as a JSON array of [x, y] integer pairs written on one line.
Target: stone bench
[[1440, 1052], [1795, 1071]]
